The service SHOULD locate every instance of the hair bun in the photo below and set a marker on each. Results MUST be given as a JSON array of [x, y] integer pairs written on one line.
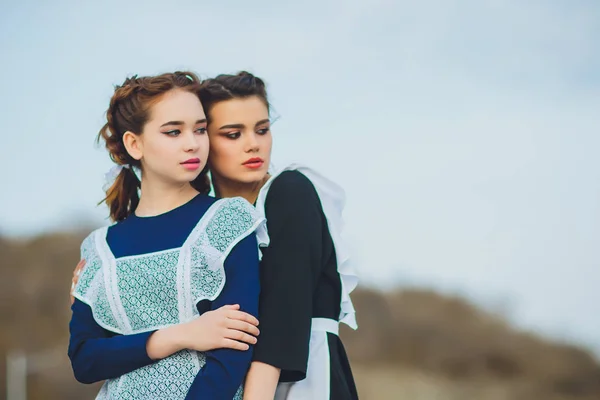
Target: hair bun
[[226, 87]]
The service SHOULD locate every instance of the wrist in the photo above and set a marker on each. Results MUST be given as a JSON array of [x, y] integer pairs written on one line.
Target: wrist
[[165, 342], [178, 336]]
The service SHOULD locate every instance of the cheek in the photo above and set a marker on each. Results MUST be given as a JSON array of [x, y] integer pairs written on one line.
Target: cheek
[[267, 143], [204, 143], [166, 148], [156, 148], [222, 153]]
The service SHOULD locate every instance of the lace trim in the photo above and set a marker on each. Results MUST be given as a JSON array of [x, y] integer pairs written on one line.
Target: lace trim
[[211, 244], [91, 286], [111, 282], [187, 306]]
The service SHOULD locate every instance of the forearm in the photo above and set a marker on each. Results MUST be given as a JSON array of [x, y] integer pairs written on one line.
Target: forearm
[[97, 359], [261, 381], [97, 354], [166, 341]]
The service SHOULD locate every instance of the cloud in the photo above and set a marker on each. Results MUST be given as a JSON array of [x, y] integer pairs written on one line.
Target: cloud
[[464, 132]]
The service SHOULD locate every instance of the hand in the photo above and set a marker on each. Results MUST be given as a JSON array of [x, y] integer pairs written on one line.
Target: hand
[[75, 278], [225, 327]]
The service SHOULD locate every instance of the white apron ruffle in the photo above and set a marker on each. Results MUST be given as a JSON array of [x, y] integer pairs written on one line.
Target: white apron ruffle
[[333, 200]]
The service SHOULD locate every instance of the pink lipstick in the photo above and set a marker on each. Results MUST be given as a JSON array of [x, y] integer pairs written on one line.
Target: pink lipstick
[[191, 164]]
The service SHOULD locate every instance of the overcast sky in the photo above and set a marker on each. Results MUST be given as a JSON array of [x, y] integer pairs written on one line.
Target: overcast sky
[[466, 133]]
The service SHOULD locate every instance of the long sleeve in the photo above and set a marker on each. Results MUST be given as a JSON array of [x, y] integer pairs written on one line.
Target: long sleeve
[[225, 369], [97, 354], [289, 272]]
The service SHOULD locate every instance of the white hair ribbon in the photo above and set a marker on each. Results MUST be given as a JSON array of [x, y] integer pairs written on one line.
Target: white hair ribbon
[[111, 175]]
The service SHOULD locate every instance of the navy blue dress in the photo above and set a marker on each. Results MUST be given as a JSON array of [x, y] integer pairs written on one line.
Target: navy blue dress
[[98, 354]]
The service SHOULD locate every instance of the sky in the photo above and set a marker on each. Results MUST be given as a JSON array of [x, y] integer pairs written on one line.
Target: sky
[[465, 133]]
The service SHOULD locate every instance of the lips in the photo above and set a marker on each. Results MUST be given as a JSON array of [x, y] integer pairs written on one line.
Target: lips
[[254, 163], [191, 164]]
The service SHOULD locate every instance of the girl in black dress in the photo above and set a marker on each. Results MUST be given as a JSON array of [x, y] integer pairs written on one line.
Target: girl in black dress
[[306, 278]]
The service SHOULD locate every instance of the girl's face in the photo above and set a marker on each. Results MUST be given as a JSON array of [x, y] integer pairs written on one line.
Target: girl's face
[[173, 146], [240, 140]]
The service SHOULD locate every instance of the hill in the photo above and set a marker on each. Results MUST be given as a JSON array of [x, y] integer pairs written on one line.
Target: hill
[[412, 344]]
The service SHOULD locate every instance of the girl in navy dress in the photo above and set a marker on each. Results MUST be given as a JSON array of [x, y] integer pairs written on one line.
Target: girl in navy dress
[[173, 254]]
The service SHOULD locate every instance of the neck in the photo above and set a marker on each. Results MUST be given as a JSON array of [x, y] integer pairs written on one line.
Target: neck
[[160, 197], [227, 188]]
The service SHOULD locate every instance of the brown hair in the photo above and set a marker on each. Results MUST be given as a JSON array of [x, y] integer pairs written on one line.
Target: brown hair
[[226, 87], [129, 110]]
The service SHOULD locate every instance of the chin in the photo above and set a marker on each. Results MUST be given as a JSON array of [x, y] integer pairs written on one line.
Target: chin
[[190, 176], [250, 176]]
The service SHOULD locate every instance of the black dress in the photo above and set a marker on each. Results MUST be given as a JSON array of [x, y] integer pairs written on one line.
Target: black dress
[[301, 294]]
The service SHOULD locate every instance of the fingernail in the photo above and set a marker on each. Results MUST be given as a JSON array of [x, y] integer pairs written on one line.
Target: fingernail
[[78, 272], [72, 285]]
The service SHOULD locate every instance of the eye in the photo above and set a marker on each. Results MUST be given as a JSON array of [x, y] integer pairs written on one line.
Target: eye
[[263, 131], [201, 131], [232, 135], [174, 132]]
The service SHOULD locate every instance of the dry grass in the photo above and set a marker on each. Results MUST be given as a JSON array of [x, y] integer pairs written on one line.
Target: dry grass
[[412, 344], [383, 382]]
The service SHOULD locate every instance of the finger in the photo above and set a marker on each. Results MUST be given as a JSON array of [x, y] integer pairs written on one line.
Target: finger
[[230, 307], [79, 267], [232, 344], [242, 316], [243, 327], [71, 298], [240, 336]]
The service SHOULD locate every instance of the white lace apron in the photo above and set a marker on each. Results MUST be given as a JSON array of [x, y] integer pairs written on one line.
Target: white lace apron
[[151, 291], [316, 384]]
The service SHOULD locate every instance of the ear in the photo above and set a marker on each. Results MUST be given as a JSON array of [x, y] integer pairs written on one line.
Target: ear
[[133, 145]]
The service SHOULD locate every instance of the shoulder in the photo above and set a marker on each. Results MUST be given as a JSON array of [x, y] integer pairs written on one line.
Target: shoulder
[[236, 207], [292, 186], [292, 200], [232, 218], [91, 254], [89, 242]]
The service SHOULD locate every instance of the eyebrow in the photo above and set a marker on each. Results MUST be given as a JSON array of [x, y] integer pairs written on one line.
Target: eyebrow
[[200, 121], [240, 126]]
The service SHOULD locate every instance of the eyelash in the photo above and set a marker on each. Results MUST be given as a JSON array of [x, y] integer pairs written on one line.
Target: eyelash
[[176, 132], [232, 135], [237, 134]]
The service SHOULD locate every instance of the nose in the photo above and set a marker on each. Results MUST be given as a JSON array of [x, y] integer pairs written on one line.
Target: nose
[[192, 142], [251, 143]]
